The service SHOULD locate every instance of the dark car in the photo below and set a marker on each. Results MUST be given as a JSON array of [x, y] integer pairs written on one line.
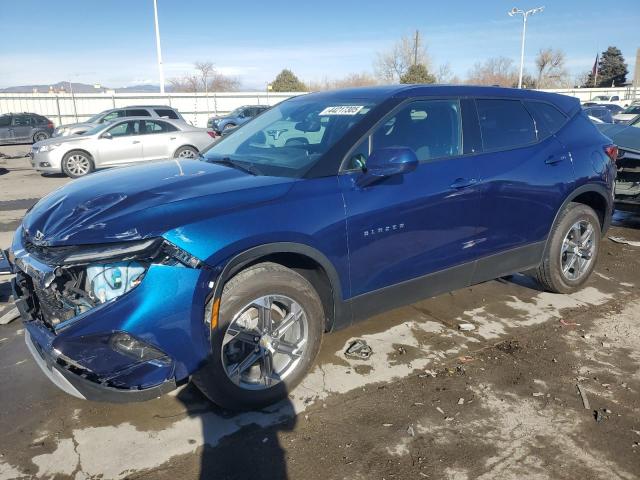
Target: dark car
[[326, 209], [600, 112], [627, 138], [235, 118], [24, 128]]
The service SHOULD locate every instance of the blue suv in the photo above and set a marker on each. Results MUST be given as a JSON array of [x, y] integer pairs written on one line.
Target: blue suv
[[328, 208]]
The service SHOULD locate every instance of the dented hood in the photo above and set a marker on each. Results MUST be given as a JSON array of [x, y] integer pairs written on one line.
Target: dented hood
[[144, 201]]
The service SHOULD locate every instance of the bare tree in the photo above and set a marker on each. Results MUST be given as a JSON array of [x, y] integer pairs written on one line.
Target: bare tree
[[445, 74], [206, 78], [494, 71], [551, 71], [363, 79], [391, 64]]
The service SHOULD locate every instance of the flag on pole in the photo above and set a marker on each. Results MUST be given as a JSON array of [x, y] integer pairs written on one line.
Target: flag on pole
[[594, 70]]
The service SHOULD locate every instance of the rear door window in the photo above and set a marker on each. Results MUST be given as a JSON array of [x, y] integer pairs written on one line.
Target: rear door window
[[166, 113], [125, 129], [505, 124], [5, 120], [152, 126], [547, 117], [113, 116], [138, 112], [21, 120]]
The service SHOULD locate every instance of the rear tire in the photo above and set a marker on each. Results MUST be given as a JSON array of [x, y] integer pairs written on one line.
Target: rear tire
[[572, 250], [77, 163], [39, 136], [272, 367], [186, 152]]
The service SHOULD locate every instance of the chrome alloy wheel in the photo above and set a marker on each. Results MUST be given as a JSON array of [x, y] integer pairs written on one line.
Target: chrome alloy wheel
[[265, 342], [78, 164], [578, 249], [187, 153]]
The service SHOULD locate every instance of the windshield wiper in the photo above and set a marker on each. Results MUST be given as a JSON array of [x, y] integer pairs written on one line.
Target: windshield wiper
[[227, 162]]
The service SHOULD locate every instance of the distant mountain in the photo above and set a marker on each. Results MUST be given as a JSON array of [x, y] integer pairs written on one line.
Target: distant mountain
[[78, 88]]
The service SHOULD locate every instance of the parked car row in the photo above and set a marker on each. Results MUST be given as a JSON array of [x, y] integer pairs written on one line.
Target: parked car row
[[236, 118]]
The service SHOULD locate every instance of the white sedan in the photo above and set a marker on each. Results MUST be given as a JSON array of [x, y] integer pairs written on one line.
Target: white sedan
[[119, 143]]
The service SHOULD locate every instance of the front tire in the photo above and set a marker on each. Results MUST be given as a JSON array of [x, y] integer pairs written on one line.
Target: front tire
[[77, 163], [269, 332], [572, 250]]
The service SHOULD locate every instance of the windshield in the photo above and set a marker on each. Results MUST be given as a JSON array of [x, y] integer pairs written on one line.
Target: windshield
[[97, 128], [633, 109], [291, 137], [96, 117]]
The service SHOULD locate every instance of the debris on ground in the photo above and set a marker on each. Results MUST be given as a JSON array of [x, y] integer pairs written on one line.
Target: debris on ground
[[440, 410], [624, 241], [509, 346], [466, 359], [411, 431], [461, 401], [537, 394], [358, 350], [9, 316], [569, 324], [583, 394], [466, 327]]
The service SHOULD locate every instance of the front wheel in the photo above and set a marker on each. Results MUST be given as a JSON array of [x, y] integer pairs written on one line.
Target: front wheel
[[572, 250], [77, 164], [269, 332]]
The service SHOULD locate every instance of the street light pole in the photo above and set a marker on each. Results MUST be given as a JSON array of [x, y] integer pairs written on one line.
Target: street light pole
[[525, 14], [158, 50]]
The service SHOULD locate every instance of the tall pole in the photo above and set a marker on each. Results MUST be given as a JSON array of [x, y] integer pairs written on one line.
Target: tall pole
[[415, 50], [158, 50], [525, 15], [524, 34]]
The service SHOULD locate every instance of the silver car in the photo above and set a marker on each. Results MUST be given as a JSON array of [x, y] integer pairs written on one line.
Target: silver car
[[119, 143], [152, 111]]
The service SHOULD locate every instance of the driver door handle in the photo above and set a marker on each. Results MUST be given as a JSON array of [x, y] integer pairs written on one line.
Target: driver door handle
[[136, 141]]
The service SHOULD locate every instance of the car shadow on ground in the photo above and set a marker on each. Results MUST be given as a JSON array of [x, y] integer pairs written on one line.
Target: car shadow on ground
[[252, 451]]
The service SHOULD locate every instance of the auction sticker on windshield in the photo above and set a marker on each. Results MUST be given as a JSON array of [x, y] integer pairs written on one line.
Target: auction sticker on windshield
[[342, 110]]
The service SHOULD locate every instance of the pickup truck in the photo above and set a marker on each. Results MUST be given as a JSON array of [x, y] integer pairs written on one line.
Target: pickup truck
[[607, 99]]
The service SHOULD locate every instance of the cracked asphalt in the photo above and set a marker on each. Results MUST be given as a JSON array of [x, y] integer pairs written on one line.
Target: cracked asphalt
[[434, 402]]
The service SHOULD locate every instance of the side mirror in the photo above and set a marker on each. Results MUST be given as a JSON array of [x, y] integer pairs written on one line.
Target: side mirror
[[106, 135], [386, 162]]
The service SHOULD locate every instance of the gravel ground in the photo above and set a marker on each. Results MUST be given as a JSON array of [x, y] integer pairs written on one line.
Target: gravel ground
[[431, 402]]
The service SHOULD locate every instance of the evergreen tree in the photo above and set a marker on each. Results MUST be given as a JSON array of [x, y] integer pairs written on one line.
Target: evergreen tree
[[417, 73], [286, 81], [612, 70]]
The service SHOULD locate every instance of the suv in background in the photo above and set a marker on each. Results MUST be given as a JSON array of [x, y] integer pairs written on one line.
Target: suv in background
[[237, 117], [153, 111], [600, 112], [24, 128], [327, 208]]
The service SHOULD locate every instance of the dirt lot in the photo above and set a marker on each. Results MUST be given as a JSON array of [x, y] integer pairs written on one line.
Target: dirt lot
[[498, 402]]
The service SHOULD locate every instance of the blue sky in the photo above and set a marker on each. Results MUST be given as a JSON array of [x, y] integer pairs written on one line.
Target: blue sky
[[112, 41]]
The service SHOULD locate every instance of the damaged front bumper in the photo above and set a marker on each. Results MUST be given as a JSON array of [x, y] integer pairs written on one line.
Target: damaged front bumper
[[135, 347]]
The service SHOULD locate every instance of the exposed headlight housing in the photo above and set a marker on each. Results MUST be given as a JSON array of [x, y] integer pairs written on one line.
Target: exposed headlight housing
[[48, 148]]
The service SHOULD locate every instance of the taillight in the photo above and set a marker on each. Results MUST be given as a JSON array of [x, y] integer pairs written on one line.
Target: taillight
[[612, 152], [211, 134], [50, 125]]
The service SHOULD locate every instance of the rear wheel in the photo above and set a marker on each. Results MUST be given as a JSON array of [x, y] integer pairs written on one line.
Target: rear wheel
[[269, 332], [572, 250], [186, 152], [39, 136], [77, 164]]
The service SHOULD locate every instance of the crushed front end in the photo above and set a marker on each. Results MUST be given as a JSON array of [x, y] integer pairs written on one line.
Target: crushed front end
[[627, 194], [112, 322]]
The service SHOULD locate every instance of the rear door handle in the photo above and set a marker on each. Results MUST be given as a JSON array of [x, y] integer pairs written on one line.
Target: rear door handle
[[553, 159], [136, 141], [464, 182], [172, 138]]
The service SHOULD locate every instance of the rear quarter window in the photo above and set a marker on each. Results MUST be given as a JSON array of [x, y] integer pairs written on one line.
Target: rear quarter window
[[505, 124], [166, 113], [547, 117], [138, 113]]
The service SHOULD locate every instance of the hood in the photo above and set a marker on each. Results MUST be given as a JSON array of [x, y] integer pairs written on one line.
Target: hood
[[61, 140], [145, 201], [624, 136]]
